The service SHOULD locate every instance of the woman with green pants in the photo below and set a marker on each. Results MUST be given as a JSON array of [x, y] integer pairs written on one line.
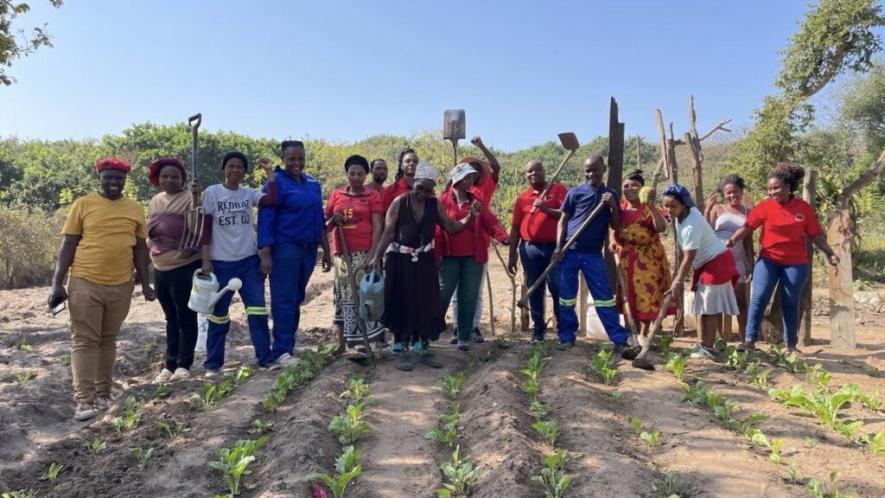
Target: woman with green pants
[[464, 253]]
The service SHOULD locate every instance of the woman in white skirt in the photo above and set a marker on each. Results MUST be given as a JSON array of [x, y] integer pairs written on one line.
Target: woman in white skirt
[[712, 265]]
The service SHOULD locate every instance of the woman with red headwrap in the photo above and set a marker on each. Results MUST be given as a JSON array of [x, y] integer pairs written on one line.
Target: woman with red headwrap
[[103, 235], [173, 268]]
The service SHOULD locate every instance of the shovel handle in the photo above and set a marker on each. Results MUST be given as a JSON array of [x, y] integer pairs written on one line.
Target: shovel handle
[[553, 179], [194, 121]]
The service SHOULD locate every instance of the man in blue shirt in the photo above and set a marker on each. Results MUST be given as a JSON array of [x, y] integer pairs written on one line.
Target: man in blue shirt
[[585, 255]]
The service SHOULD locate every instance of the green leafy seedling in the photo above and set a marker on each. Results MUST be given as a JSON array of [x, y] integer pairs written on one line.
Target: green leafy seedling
[[447, 430], [665, 344], [848, 429], [347, 468], [261, 426], [651, 438], [537, 408], [817, 376], [52, 473], [25, 376], [548, 429], [460, 474], [676, 365], [451, 384], [350, 425], [65, 360], [552, 477], [172, 430], [792, 475], [618, 396], [22, 493], [875, 443], [667, 485], [232, 462], [25, 347], [142, 456], [357, 389], [602, 366], [97, 445], [635, 424]]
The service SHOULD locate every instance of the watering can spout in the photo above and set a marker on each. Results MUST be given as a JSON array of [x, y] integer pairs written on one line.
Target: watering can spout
[[233, 285]]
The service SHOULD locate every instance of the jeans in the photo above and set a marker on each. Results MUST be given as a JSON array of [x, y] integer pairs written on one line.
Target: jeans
[[464, 274], [535, 258], [173, 291], [593, 268], [292, 267], [252, 294], [766, 275]]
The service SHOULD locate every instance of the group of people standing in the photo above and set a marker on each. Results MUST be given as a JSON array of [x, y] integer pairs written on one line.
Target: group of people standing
[[431, 248]]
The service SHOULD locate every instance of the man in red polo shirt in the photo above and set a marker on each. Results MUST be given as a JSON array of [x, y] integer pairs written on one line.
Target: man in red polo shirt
[[534, 225]]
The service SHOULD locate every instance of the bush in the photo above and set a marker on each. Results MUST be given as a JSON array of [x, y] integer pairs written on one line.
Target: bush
[[29, 242]]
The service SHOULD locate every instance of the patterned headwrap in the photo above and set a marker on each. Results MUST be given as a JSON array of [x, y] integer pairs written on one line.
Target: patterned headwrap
[[158, 164], [679, 192], [112, 162], [425, 171]]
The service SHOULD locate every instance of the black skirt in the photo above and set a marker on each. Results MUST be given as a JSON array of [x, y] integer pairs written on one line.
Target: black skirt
[[411, 298]]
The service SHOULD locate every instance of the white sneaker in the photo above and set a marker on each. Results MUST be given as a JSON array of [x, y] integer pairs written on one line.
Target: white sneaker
[[699, 352], [285, 359], [180, 374], [84, 412], [163, 376], [212, 372]]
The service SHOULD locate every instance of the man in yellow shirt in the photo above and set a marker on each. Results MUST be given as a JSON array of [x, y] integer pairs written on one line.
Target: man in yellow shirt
[[104, 234]]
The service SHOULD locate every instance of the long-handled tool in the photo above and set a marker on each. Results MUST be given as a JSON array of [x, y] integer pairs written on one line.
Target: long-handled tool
[[628, 311], [454, 129], [570, 143], [194, 218], [542, 279], [641, 361], [351, 278]]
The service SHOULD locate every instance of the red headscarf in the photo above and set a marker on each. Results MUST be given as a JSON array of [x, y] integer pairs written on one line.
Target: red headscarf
[[158, 164], [112, 162]]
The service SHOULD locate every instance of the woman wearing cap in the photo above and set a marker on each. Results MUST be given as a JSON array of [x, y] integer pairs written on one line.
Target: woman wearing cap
[[231, 253], [354, 212], [712, 265], [641, 256], [464, 253], [289, 233], [104, 234], [786, 221], [411, 280], [173, 268]]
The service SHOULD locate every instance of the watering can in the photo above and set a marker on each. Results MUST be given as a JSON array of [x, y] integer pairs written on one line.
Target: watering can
[[371, 297], [205, 293]]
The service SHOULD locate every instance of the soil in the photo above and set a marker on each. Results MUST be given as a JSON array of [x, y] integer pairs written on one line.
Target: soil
[[605, 458]]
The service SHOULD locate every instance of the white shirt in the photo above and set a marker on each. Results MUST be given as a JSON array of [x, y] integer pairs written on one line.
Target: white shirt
[[694, 233], [233, 237]]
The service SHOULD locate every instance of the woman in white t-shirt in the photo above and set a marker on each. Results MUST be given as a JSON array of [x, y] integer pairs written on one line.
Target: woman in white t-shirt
[[232, 252], [712, 264]]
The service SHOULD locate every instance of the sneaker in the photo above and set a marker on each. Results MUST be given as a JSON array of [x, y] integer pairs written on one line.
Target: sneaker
[[463, 346], [537, 339], [285, 360], [405, 362], [746, 347], [396, 347], [163, 376], [419, 347], [212, 372], [101, 403], [699, 352], [476, 336], [565, 346], [429, 359], [269, 365], [83, 412], [180, 374]]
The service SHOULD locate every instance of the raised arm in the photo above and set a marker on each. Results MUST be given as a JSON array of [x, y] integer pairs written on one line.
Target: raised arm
[[659, 221], [493, 161]]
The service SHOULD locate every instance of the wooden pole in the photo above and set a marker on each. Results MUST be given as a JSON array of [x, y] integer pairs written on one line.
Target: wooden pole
[[523, 312], [805, 302], [614, 179], [582, 305]]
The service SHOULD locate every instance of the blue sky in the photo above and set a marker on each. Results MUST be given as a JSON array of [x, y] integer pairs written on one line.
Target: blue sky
[[344, 70]]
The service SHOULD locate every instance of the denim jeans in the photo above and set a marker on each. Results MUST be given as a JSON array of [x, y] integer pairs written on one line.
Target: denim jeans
[[766, 274], [535, 258]]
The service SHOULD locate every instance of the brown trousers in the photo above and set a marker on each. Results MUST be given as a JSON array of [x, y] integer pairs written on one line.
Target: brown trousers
[[97, 312]]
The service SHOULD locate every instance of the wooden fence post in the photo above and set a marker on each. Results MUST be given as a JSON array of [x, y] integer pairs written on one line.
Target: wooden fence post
[[805, 302]]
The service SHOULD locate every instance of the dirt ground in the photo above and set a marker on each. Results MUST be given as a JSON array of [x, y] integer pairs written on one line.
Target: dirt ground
[[605, 457]]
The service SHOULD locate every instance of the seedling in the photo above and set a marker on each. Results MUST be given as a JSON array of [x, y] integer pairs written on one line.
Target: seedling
[[261, 426], [22, 493], [161, 390], [786, 360], [676, 364], [824, 405], [347, 468], [848, 429], [447, 430], [735, 359], [667, 485], [171, 430], [757, 374], [870, 401], [875, 442], [350, 425], [635, 424], [357, 389], [651, 438], [25, 347], [552, 477], [817, 376], [460, 475], [537, 408], [97, 445], [65, 360], [130, 416], [503, 341], [451, 384], [25, 376], [534, 366], [824, 490], [142, 455], [618, 396], [602, 366], [240, 375], [52, 473], [547, 429], [665, 342], [530, 387], [792, 475], [232, 462], [720, 345], [773, 446]]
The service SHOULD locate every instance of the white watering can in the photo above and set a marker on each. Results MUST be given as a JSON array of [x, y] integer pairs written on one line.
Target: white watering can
[[205, 293]]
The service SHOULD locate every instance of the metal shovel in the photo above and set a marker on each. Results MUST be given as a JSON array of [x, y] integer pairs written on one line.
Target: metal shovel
[[570, 143], [454, 129], [194, 218]]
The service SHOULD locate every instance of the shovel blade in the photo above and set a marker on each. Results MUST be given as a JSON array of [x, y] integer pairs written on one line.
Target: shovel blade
[[569, 141], [454, 124]]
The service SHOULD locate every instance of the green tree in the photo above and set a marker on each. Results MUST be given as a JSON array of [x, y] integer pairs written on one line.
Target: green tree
[[14, 43]]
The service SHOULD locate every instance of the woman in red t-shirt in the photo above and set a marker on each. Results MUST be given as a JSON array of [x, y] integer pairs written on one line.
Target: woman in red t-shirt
[[785, 220], [357, 213]]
